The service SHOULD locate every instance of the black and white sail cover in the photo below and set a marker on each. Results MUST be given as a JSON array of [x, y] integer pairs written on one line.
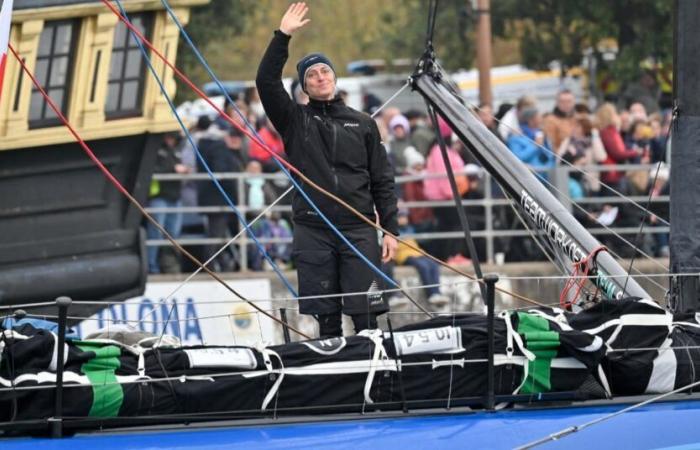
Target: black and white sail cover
[[628, 347]]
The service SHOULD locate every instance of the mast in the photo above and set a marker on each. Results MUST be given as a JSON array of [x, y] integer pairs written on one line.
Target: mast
[[685, 142], [545, 212]]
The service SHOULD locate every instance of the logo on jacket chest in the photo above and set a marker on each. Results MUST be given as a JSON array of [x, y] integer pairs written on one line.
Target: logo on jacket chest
[[350, 124]]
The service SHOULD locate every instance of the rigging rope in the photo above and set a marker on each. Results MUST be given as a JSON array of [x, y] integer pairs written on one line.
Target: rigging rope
[[252, 133], [651, 194], [583, 267], [565, 195], [294, 170], [224, 247], [201, 159], [112, 179]]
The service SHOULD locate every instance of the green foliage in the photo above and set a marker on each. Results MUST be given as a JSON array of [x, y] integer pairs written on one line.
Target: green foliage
[[233, 34], [563, 29]]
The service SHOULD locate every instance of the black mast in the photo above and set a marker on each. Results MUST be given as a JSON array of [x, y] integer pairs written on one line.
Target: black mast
[[539, 205], [685, 154]]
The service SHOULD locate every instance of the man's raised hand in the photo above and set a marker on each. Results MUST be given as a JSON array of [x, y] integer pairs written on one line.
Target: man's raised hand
[[293, 19]]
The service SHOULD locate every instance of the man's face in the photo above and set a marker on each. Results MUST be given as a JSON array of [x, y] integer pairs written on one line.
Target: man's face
[[320, 82], [566, 102]]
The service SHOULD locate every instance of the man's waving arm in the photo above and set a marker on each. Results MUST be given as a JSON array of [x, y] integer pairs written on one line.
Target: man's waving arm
[[278, 106]]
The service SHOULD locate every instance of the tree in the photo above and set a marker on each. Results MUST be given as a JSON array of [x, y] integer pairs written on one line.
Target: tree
[[563, 29], [233, 35]]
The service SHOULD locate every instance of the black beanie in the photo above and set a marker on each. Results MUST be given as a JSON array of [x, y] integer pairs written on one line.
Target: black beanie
[[309, 60]]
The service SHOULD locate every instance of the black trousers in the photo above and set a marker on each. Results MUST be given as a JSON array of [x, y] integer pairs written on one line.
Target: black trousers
[[326, 265]]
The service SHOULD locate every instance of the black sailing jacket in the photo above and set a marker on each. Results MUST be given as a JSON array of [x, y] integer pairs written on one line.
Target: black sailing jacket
[[335, 146]]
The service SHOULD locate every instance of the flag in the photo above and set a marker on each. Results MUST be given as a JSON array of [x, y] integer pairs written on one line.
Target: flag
[[5, 22]]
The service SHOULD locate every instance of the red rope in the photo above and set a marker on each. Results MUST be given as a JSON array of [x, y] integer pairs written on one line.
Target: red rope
[[578, 278]]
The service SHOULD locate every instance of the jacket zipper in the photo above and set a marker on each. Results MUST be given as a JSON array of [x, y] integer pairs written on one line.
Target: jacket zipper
[[336, 207], [333, 148]]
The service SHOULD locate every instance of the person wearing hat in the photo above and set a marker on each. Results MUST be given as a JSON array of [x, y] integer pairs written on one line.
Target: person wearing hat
[[166, 194], [339, 149]]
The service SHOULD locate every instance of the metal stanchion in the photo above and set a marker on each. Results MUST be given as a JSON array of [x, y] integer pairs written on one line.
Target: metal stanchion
[[285, 328], [56, 422], [491, 280]]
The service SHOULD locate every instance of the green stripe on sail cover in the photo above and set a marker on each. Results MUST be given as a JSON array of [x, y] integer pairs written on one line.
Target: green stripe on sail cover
[[107, 394], [544, 344]]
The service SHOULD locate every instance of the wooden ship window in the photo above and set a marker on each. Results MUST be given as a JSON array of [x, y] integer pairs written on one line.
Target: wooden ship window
[[127, 71], [54, 67]]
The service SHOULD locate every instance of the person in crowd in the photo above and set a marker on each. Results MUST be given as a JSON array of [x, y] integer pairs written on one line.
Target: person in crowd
[[271, 138], [222, 156], [421, 219], [251, 98], [438, 188], [585, 141], [400, 141], [189, 159], [422, 135], [641, 135], [660, 187], [388, 114], [340, 149], [609, 123], [531, 145], [258, 194], [582, 110], [625, 124], [510, 121], [485, 114], [370, 102], [645, 91], [428, 270], [659, 138], [637, 112], [557, 125], [273, 226], [165, 194]]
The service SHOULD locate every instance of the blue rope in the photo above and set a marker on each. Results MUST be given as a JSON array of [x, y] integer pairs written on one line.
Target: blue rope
[[201, 158], [376, 269]]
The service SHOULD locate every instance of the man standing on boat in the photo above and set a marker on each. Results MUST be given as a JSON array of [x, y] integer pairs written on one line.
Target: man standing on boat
[[340, 150]]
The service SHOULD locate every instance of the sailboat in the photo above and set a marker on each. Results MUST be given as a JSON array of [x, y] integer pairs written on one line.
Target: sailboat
[[615, 372]]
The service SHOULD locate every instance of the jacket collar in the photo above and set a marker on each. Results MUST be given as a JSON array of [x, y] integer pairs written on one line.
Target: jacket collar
[[327, 105]]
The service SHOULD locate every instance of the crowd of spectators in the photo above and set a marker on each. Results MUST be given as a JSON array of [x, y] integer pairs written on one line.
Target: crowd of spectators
[[592, 143]]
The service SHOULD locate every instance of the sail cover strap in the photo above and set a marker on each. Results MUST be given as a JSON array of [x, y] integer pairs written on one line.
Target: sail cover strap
[[107, 393], [544, 343]]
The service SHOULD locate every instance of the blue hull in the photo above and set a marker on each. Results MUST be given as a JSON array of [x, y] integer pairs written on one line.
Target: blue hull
[[667, 425]]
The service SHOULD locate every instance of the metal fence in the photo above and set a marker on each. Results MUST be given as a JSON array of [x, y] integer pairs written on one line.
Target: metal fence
[[490, 229]]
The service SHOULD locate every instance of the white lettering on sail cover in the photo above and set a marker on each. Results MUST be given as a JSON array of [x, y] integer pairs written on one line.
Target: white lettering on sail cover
[[240, 358], [431, 340]]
